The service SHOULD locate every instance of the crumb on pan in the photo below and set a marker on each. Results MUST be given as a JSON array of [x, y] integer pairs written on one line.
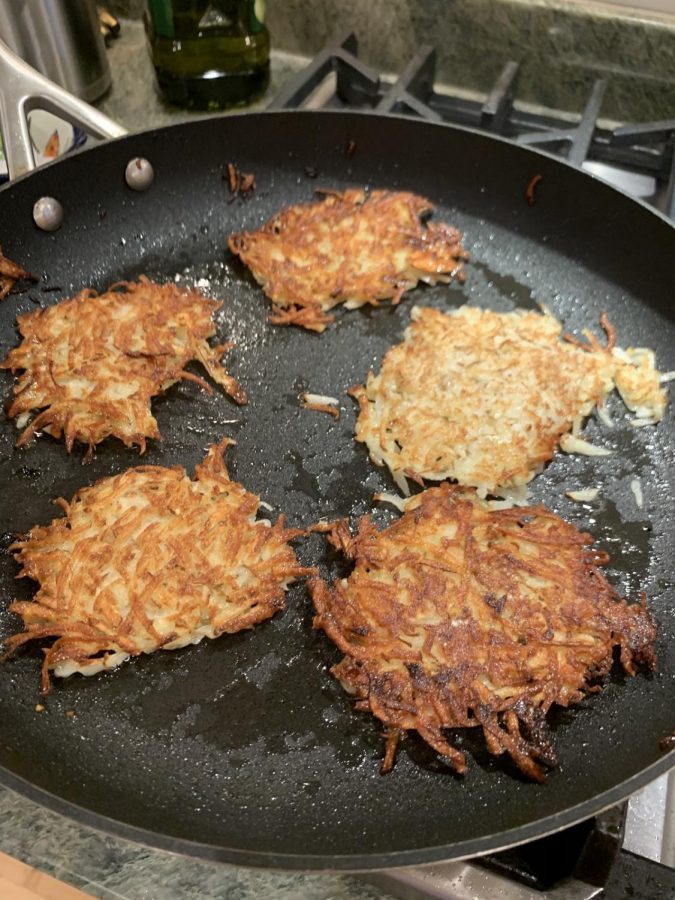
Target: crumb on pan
[[461, 616], [586, 495], [147, 560], [354, 248], [530, 190], [91, 365], [485, 398], [241, 184], [320, 403]]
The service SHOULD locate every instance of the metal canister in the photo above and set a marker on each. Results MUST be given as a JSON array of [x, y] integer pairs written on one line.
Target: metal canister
[[60, 39]]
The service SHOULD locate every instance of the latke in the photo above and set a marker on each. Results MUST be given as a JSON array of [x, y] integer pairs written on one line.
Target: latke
[[10, 273], [485, 398], [91, 364], [462, 616], [354, 248], [151, 560]]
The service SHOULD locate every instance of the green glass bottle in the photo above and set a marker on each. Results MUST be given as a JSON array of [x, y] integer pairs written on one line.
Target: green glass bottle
[[209, 55]]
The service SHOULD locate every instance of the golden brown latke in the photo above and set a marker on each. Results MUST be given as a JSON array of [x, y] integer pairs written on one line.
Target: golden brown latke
[[354, 248], [10, 273], [461, 616], [93, 363], [150, 560], [485, 398]]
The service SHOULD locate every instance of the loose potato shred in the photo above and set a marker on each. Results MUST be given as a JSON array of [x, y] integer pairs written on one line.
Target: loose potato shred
[[462, 616], [92, 364], [148, 560], [354, 248]]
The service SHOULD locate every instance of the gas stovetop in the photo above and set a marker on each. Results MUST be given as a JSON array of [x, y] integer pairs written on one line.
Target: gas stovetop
[[615, 854], [637, 158]]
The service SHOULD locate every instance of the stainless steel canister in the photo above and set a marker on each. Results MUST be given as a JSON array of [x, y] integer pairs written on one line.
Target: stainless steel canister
[[61, 39]]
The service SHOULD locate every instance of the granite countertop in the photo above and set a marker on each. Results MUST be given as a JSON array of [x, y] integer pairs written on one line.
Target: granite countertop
[[100, 865], [113, 869], [562, 46]]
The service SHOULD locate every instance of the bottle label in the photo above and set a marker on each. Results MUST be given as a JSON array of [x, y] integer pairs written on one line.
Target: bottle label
[[250, 14], [161, 12], [215, 17]]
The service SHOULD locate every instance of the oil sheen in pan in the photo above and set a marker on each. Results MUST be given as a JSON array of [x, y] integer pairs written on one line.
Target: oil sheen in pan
[[214, 736]]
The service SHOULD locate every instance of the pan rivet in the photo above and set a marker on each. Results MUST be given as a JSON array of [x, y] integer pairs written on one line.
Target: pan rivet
[[139, 174], [48, 214]]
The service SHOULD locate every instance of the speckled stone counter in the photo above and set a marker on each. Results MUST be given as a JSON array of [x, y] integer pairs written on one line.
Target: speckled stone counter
[[561, 46], [113, 869]]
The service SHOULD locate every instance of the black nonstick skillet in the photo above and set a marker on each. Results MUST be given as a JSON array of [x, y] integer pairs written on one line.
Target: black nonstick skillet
[[245, 749]]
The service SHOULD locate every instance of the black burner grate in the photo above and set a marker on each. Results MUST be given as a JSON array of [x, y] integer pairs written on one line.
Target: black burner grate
[[585, 852], [645, 149]]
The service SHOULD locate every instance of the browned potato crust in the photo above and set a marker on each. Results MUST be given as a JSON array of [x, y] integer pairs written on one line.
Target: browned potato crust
[[92, 364], [354, 248], [148, 560], [10, 273], [462, 616]]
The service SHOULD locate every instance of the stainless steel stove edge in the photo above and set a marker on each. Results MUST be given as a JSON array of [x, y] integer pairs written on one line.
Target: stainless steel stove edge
[[468, 881], [650, 832]]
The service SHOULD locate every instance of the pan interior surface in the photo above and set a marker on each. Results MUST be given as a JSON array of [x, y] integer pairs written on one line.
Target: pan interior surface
[[245, 748]]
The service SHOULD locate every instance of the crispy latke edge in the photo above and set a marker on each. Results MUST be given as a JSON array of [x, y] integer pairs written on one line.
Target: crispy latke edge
[[211, 467], [502, 731], [56, 415]]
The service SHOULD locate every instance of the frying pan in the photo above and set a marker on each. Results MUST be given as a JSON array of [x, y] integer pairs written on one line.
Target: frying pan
[[245, 749]]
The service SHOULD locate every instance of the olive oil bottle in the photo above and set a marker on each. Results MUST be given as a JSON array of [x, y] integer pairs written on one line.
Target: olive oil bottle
[[209, 55]]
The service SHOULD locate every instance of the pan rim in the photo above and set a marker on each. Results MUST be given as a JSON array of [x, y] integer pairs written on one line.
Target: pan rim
[[527, 149], [362, 862], [347, 862]]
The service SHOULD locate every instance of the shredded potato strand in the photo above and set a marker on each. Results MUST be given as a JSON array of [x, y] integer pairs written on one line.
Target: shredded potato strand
[[320, 403], [636, 488], [586, 495]]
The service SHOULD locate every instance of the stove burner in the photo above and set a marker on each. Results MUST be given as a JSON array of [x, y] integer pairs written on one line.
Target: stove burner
[[645, 149]]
